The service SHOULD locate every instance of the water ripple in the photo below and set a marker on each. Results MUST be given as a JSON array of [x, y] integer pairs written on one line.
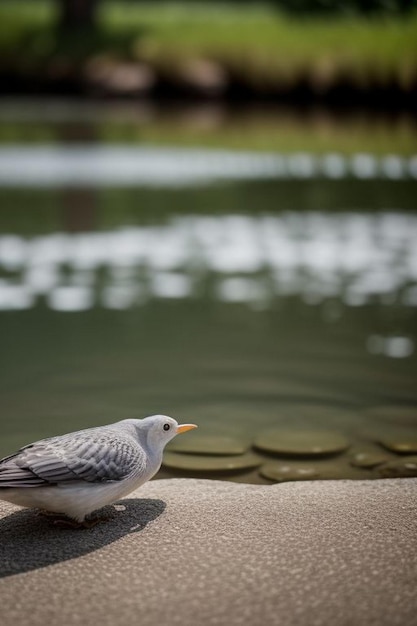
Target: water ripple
[[352, 257]]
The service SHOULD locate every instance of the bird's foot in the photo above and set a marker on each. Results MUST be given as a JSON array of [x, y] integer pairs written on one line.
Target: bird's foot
[[45, 513], [66, 522], [62, 521]]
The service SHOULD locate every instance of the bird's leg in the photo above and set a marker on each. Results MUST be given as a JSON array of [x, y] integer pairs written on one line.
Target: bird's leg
[[88, 522], [66, 522], [46, 513], [59, 519]]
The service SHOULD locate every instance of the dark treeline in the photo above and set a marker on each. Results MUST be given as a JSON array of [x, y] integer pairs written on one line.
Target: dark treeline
[[74, 12], [346, 6], [308, 7]]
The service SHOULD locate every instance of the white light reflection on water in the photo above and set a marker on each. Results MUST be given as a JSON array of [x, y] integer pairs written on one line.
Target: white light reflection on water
[[351, 257], [51, 166], [396, 347]]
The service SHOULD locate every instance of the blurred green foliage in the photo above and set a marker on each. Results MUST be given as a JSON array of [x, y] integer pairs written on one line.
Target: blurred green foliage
[[254, 43], [309, 7]]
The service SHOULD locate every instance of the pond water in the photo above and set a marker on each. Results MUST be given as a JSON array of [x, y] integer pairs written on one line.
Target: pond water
[[244, 306]]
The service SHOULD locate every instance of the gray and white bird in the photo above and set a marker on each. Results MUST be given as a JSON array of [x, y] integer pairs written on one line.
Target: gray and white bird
[[78, 473]]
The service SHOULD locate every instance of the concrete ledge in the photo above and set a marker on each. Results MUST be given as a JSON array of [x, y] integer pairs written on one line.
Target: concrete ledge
[[197, 552]]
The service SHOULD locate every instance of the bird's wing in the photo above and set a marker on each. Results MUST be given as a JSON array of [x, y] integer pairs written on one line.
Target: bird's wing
[[87, 455]]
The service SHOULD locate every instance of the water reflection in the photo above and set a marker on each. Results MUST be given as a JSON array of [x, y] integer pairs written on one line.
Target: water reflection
[[354, 258], [396, 347], [282, 297], [121, 165]]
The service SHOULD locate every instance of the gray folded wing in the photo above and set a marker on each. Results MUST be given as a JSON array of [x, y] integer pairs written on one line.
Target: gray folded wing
[[89, 455]]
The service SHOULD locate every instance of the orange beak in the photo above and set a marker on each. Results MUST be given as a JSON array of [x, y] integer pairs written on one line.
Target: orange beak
[[184, 427]]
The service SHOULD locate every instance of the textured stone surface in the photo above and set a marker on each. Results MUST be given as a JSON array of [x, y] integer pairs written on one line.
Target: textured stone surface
[[198, 552]]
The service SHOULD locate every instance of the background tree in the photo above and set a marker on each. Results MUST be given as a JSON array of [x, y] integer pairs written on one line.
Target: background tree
[[77, 15]]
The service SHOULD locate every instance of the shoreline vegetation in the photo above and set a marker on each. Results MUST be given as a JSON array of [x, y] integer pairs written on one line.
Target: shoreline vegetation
[[226, 52]]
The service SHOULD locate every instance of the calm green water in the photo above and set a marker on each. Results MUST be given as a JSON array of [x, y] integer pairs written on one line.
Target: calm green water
[[241, 306], [216, 305]]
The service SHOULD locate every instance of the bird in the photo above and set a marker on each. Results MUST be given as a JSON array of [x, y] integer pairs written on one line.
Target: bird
[[76, 474]]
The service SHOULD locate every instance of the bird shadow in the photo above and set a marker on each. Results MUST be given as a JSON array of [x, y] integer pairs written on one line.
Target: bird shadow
[[29, 541]]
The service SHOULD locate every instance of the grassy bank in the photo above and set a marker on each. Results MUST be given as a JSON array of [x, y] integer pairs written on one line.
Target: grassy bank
[[265, 46], [252, 44]]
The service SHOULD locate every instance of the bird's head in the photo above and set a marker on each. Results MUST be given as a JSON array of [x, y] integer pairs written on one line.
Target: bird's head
[[160, 429]]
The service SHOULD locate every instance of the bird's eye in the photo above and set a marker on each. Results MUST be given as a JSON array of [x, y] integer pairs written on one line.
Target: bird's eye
[[167, 426]]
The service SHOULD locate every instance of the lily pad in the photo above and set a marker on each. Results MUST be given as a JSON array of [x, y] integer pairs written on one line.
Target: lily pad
[[368, 459], [208, 445], [400, 468], [310, 443], [204, 463], [279, 472], [401, 443]]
